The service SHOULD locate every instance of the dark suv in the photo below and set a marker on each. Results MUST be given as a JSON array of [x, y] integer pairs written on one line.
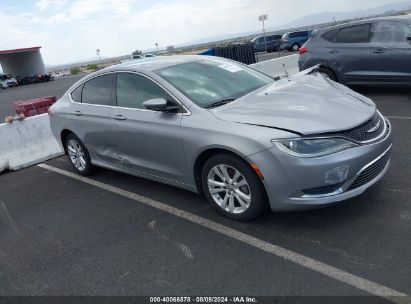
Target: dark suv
[[292, 41], [273, 43], [369, 51]]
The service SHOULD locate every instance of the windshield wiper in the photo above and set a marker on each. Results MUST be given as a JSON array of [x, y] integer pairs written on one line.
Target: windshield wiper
[[219, 103]]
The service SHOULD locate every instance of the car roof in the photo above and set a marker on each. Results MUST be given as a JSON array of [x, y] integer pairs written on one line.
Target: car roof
[[153, 63], [298, 31], [267, 35], [388, 18], [146, 64]]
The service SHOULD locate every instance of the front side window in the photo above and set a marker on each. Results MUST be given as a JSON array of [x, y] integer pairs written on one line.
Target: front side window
[[391, 33], [208, 81], [354, 34], [133, 90], [98, 90]]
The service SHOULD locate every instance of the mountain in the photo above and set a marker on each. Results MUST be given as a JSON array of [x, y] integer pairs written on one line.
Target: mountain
[[325, 17], [314, 19]]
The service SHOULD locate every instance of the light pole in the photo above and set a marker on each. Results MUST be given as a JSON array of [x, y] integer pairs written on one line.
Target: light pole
[[98, 54], [263, 18]]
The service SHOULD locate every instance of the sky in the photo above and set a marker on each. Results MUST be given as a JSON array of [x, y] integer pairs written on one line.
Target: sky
[[69, 31]]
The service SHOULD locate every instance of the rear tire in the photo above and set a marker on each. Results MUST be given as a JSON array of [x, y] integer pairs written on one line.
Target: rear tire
[[328, 73], [233, 188], [78, 155]]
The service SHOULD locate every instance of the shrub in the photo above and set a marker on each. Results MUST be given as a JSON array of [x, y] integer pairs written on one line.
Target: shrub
[[92, 66], [74, 71]]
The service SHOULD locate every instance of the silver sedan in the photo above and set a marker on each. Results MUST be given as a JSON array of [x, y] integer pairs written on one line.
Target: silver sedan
[[210, 125]]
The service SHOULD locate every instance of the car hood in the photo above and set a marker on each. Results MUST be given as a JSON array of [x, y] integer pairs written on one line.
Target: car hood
[[306, 103]]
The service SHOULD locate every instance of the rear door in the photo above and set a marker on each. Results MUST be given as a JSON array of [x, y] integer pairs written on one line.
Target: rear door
[[391, 52], [349, 53], [90, 117]]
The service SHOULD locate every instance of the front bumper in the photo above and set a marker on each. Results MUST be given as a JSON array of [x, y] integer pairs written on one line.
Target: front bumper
[[294, 183]]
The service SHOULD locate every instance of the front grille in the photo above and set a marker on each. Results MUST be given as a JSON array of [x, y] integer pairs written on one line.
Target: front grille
[[368, 131], [371, 172]]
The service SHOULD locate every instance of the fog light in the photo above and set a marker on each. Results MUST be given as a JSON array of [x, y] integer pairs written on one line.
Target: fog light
[[337, 175]]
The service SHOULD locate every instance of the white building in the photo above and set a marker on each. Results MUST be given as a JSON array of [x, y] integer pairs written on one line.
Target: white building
[[22, 62]]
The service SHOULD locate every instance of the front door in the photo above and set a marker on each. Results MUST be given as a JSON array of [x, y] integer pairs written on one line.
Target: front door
[[146, 141], [391, 52]]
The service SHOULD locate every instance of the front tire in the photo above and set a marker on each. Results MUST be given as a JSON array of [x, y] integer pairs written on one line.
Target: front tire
[[233, 188], [328, 73], [78, 155]]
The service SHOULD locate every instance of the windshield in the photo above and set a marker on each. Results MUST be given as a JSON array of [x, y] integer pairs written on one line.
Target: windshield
[[211, 80]]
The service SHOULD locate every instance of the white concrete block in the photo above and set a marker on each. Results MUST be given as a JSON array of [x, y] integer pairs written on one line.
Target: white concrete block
[[274, 67], [28, 142]]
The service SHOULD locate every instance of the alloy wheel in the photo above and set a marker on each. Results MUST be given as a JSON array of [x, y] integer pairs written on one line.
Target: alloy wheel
[[229, 189], [76, 154]]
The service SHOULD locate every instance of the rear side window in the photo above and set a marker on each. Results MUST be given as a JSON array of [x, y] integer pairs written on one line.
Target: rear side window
[[133, 90], [76, 94], [98, 90], [354, 34], [331, 35], [299, 34]]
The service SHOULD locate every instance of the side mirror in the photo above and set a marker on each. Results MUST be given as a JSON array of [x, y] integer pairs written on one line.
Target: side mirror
[[160, 104]]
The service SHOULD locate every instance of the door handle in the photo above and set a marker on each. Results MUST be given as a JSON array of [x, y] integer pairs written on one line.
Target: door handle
[[379, 51], [78, 113], [333, 51], [119, 117]]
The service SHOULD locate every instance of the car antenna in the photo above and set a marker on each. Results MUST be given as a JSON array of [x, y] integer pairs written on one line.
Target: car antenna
[[334, 20]]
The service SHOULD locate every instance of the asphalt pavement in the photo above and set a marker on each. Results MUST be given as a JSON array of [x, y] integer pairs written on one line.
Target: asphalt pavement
[[54, 88], [63, 235]]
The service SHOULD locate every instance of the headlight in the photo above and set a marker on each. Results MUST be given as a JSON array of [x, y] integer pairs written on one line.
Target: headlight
[[314, 147]]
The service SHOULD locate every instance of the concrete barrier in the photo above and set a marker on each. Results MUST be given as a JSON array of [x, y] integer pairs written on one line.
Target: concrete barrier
[[28, 142], [274, 67]]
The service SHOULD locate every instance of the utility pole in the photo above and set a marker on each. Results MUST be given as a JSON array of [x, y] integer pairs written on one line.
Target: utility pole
[[262, 18]]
